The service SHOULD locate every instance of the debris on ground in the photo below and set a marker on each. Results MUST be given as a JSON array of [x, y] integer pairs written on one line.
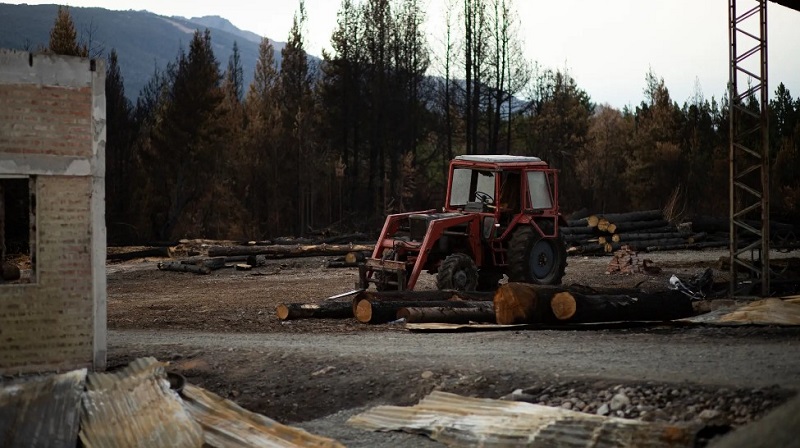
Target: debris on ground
[[134, 406], [626, 261], [459, 421], [696, 287]]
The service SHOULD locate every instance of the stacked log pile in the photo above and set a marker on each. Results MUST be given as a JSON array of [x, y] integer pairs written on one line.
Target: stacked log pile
[[639, 231]]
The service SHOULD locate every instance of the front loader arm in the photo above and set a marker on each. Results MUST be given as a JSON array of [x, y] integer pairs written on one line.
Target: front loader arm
[[435, 231]]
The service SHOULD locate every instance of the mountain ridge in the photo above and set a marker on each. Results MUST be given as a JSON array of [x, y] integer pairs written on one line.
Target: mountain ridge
[[144, 41]]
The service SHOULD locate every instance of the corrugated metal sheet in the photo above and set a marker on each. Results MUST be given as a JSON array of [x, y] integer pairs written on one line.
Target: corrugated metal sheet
[[225, 424], [467, 422], [42, 412], [770, 311], [136, 408]]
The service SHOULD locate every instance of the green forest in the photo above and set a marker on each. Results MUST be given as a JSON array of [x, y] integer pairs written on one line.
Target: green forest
[[367, 132]]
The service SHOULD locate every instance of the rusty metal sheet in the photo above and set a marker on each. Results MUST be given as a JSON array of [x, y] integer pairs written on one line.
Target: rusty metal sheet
[[226, 424], [771, 311], [135, 407], [460, 421], [42, 412]]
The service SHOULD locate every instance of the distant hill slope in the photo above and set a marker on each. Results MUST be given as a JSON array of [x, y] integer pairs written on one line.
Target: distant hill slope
[[144, 41]]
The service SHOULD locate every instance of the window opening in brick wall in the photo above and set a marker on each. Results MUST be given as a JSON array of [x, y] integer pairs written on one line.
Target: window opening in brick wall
[[17, 230]]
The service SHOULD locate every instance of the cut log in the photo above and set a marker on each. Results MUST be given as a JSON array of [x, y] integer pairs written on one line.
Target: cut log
[[211, 263], [586, 249], [257, 260], [161, 252], [377, 312], [602, 225], [640, 225], [624, 237], [519, 303], [243, 267], [421, 296], [334, 264], [583, 222], [523, 303], [576, 230], [563, 305], [326, 310], [177, 266], [697, 237], [479, 312], [660, 306], [354, 257], [343, 239], [645, 215], [710, 225], [289, 250]]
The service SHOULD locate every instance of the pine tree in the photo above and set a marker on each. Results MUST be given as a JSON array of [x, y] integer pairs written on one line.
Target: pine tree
[[187, 144], [657, 164], [119, 155], [262, 194], [297, 112], [63, 37]]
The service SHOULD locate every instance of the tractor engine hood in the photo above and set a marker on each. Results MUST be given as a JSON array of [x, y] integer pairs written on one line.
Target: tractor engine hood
[[419, 222]]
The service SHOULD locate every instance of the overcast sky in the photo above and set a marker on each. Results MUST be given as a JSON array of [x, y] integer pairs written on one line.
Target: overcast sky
[[608, 46]]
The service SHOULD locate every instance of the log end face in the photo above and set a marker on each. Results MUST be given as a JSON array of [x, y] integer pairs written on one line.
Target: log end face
[[282, 311], [363, 311], [563, 305]]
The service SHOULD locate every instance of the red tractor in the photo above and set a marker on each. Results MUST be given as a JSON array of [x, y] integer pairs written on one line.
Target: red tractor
[[501, 217]]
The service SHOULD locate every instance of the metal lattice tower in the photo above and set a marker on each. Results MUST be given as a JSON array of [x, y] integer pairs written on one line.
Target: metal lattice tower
[[749, 148]]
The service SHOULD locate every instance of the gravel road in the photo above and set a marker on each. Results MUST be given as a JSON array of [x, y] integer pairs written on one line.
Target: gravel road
[[731, 356]]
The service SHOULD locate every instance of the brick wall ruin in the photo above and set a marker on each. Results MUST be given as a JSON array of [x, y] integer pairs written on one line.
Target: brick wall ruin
[[52, 131]]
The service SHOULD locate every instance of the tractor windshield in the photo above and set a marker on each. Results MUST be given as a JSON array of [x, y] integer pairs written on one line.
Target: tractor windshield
[[472, 186]]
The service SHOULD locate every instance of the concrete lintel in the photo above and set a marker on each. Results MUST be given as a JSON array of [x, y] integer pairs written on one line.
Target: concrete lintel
[[40, 164], [21, 67]]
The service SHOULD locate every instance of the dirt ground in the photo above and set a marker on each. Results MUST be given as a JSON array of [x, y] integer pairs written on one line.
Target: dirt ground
[[221, 332]]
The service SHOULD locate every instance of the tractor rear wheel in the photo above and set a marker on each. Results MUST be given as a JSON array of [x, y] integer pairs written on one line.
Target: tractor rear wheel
[[535, 259], [457, 271]]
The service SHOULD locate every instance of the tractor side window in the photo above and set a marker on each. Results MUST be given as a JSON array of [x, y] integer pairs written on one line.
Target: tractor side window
[[539, 190]]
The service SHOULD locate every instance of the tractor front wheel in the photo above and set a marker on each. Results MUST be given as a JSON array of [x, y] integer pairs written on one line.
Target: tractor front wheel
[[457, 271], [535, 259]]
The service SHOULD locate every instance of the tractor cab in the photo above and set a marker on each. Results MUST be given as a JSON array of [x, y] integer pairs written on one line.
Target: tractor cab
[[496, 207]]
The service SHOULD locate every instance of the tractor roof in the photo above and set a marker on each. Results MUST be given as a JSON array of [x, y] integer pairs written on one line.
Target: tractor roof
[[500, 159]]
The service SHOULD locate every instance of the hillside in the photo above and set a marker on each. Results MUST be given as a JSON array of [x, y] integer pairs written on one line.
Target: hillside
[[144, 41]]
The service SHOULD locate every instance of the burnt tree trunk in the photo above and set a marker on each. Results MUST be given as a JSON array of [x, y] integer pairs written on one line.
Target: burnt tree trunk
[[638, 225], [327, 310], [376, 312], [297, 250], [477, 312], [421, 296], [519, 303], [177, 266], [161, 252]]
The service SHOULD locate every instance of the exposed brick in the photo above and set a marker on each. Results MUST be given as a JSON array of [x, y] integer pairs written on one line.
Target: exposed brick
[[48, 325]]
